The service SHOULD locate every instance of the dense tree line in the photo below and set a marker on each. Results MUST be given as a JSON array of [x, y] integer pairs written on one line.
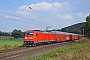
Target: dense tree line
[[4, 33], [15, 33], [76, 28], [87, 27]]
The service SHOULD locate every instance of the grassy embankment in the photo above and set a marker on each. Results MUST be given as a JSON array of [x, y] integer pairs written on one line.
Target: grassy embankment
[[7, 43], [79, 50]]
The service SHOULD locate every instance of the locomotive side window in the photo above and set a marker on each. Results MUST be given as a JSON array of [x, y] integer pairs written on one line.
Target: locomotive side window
[[36, 34]]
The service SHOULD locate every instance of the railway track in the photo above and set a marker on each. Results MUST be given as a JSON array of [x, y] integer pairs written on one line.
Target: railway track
[[23, 53]]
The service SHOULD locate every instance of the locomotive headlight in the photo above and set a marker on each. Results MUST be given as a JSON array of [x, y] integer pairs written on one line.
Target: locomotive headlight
[[31, 38], [25, 37]]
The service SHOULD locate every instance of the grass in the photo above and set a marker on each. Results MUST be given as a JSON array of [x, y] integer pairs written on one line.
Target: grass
[[79, 50], [7, 43]]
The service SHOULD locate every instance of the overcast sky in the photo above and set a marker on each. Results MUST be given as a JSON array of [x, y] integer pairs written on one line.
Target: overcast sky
[[16, 14]]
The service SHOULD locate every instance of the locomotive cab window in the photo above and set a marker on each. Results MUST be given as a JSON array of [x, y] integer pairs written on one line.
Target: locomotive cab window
[[29, 34]]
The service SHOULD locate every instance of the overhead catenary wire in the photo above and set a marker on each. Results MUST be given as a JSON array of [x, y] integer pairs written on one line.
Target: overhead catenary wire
[[24, 17], [38, 12], [20, 21], [40, 23], [16, 16], [21, 2], [11, 3], [31, 8], [19, 16]]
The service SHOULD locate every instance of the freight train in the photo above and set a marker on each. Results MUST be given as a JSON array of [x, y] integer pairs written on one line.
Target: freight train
[[37, 37]]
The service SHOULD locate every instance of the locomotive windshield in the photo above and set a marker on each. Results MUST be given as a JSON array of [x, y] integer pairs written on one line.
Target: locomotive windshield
[[29, 33]]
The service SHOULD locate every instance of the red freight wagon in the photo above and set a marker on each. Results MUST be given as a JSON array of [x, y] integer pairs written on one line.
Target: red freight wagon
[[67, 37], [60, 37], [75, 36]]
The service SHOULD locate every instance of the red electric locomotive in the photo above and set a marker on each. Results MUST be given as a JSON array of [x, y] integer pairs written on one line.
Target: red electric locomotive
[[36, 37]]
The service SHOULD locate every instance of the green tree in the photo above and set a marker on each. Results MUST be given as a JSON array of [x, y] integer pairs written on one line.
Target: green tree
[[88, 18], [1, 33], [17, 33], [20, 33], [87, 27], [4, 34]]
